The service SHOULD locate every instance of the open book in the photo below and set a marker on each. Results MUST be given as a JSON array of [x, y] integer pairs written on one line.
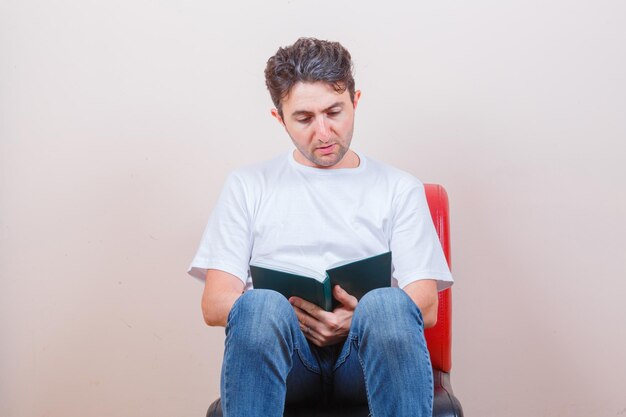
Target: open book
[[356, 277]]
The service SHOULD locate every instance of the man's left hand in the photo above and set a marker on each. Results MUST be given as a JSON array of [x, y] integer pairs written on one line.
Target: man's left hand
[[324, 328]]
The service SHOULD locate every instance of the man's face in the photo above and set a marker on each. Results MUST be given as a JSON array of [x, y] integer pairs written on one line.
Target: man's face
[[320, 122]]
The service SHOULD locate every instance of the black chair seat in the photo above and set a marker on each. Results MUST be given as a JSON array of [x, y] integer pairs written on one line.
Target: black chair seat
[[445, 404]]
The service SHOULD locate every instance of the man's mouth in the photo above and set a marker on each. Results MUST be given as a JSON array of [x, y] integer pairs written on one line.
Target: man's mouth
[[326, 149]]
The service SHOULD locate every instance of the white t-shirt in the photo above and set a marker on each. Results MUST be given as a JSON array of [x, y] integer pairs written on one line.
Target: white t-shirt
[[287, 212]]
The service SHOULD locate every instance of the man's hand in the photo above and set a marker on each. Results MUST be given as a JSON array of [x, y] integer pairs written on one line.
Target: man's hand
[[324, 328]]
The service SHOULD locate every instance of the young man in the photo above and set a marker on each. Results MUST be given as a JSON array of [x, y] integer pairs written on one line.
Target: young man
[[320, 204]]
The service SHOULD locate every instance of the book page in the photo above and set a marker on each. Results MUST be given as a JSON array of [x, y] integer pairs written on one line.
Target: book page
[[290, 269]]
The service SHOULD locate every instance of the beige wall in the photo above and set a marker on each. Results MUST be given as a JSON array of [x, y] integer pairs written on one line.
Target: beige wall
[[120, 119]]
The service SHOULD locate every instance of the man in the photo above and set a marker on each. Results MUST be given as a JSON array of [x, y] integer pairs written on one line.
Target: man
[[320, 204]]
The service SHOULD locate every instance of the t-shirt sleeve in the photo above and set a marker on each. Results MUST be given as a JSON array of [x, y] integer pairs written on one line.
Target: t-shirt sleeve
[[226, 242], [417, 252]]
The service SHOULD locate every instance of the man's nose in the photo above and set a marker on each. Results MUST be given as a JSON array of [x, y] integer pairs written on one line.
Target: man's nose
[[322, 130]]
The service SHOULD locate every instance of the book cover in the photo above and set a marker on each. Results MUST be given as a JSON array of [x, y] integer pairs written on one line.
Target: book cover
[[356, 277]]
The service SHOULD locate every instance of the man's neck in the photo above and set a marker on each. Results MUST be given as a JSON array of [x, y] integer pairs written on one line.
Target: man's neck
[[349, 160]]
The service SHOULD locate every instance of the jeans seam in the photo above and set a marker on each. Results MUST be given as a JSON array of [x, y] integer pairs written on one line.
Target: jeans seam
[[426, 354], [342, 359], [225, 396], [306, 364], [367, 390], [229, 319]]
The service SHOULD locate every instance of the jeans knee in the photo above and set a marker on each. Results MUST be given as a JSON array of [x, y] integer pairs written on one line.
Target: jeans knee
[[265, 300], [387, 308], [385, 301], [260, 316], [262, 305]]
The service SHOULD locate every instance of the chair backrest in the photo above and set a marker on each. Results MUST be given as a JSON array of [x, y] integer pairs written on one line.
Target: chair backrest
[[439, 337]]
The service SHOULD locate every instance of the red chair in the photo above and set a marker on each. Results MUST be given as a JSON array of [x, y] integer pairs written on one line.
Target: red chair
[[438, 338]]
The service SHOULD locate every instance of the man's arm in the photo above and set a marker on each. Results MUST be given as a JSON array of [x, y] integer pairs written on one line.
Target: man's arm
[[424, 295], [221, 290]]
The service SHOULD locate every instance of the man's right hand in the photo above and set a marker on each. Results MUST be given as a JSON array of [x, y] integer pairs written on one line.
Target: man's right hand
[[324, 328]]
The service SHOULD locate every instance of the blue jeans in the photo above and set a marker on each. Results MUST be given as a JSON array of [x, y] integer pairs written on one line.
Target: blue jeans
[[384, 361]]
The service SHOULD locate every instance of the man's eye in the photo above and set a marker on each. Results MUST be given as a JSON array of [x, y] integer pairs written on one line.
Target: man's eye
[[304, 121], [333, 113]]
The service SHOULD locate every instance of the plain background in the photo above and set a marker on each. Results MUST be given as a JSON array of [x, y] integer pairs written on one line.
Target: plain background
[[119, 121]]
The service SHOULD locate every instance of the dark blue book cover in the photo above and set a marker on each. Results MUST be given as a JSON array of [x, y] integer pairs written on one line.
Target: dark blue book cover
[[356, 277]]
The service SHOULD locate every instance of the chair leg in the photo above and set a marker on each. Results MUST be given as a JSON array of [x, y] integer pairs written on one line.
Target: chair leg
[[215, 410], [445, 402]]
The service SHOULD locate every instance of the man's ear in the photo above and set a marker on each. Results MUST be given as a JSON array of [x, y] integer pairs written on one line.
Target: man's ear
[[357, 96], [277, 116]]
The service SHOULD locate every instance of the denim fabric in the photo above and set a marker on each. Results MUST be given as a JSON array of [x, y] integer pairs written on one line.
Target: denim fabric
[[384, 361]]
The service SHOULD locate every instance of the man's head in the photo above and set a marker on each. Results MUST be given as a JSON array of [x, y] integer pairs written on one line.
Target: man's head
[[308, 60], [312, 87]]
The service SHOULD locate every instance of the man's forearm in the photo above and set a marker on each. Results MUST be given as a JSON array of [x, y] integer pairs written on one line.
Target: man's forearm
[[221, 290], [424, 295], [216, 309]]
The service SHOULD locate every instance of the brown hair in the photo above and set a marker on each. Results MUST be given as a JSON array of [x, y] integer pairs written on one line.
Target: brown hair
[[308, 60]]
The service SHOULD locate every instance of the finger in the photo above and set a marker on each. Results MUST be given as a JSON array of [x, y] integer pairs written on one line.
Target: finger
[[314, 330], [305, 329], [307, 306], [308, 331], [316, 342], [345, 299], [306, 320], [311, 335]]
